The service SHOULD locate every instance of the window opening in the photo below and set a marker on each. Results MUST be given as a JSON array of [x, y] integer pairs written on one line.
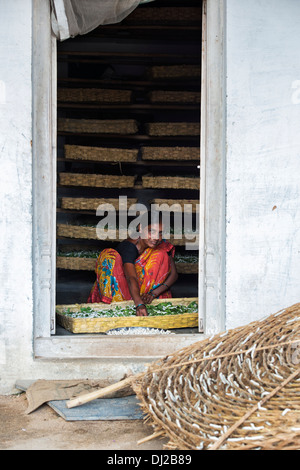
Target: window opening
[[141, 79]]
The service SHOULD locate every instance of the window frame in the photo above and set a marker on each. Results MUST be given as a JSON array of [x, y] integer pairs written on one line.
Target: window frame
[[212, 245]]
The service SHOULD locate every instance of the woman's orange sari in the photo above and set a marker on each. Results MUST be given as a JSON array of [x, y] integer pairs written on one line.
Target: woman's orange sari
[[152, 267]]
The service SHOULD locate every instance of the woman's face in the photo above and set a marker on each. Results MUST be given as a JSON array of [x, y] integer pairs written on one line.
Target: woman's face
[[152, 235]]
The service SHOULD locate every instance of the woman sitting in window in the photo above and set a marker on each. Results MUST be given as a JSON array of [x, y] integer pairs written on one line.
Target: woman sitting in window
[[141, 269]]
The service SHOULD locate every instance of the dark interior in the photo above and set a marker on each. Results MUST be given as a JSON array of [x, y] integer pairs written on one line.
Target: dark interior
[[121, 57]]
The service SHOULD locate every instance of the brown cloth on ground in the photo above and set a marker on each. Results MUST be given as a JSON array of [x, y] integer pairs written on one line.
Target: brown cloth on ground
[[43, 391]]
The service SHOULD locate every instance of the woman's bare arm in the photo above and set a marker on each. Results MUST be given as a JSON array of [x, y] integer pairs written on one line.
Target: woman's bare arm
[[131, 277], [171, 279]]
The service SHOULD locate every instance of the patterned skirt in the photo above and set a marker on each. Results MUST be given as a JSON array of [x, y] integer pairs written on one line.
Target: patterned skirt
[[152, 268]]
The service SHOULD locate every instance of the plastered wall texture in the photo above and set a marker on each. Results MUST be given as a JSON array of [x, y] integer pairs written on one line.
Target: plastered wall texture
[[263, 159], [16, 305]]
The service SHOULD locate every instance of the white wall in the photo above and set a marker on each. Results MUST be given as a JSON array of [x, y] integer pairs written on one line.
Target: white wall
[[263, 158], [263, 167], [16, 299], [15, 184]]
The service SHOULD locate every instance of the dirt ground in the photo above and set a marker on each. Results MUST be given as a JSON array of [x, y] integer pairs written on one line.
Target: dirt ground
[[44, 429]]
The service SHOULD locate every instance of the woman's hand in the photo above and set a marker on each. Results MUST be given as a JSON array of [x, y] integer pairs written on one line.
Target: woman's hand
[[148, 298], [141, 311]]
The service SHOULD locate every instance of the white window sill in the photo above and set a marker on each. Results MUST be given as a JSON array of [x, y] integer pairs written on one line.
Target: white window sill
[[104, 347]]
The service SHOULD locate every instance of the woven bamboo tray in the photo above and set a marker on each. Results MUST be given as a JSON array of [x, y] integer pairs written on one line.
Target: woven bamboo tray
[[100, 154], [181, 202], [76, 264], [165, 15], [170, 153], [171, 182], [77, 203], [187, 97], [187, 268], [101, 325], [183, 240], [88, 233], [88, 264], [94, 95], [173, 128], [97, 181], [93, 126], [175, 72]]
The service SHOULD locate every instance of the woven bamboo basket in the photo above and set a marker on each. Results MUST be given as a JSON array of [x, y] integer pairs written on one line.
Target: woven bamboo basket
[[76, 264], [88, 233], [171, 182], [93, 95], [101, 325], [100, 154], [237, 390], [97, 181], [76, 231], [88, 264], [173, 128], [175, 72], [93, 126], [164, 96], [182, 241], [77, 203], [165, 15], [190, 203], [187, 268], [170, 153]]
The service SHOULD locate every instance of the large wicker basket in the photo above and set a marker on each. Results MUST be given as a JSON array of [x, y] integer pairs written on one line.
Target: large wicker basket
[[100, 154], [172, 182], [173, 128], [97, 181], [101, 325], [170, 153], [78, 203], [93, 126], [93, 95]]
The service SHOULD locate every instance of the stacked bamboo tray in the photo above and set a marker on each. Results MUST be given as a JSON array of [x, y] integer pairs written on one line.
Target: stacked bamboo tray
[[174, 15], [171, 182], [85, 204], [90, 233], [170, 153], [94, 126], [165, 96], [93, 95], [173, 129], [88, 264], [100, 154], [175, 72], [97, 181], [101, 325]]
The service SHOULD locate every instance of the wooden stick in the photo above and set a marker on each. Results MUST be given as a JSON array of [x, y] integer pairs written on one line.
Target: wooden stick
[[233, 428], [100, 393], [149, 438]]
